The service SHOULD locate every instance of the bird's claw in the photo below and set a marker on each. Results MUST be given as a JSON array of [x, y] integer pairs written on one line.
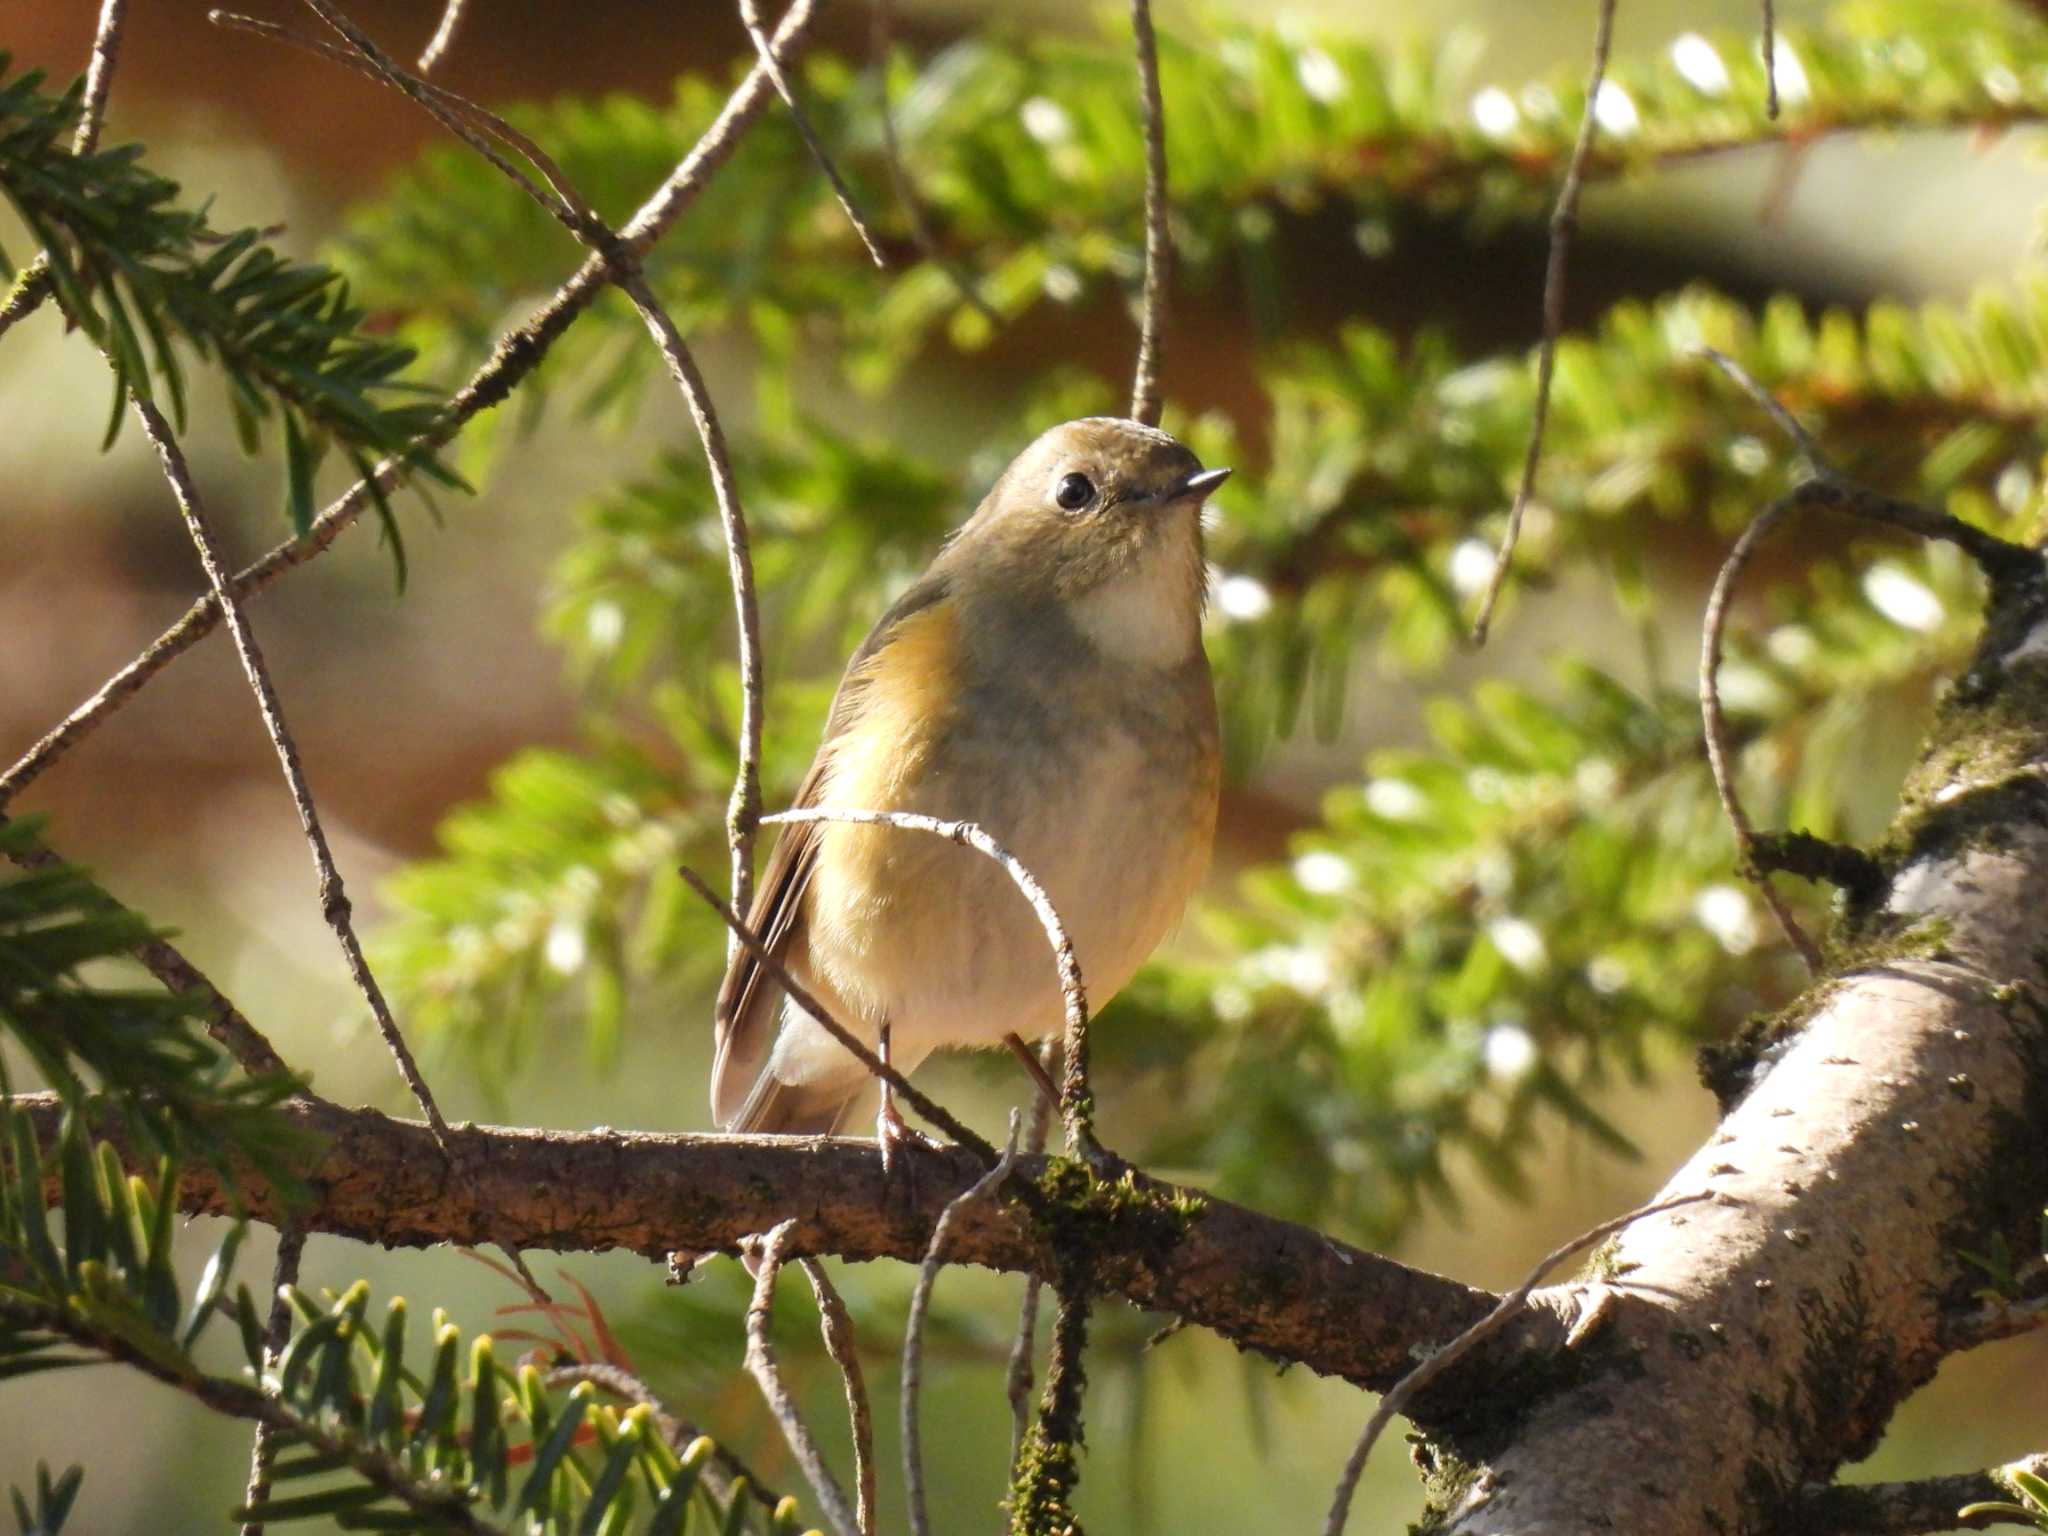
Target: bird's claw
[[894, 1134]]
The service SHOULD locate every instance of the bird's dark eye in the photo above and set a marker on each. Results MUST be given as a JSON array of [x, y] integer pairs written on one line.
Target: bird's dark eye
[[1074, 492]]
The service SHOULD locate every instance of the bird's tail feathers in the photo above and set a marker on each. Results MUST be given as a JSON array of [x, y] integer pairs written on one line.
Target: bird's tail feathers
[[816, 1108]]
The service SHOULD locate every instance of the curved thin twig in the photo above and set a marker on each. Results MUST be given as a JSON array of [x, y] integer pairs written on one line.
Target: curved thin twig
[[1564, 223], [476, 126], [1715, 727], [1403, 1391], [762, 1367], [1017, 1381], [750, 18], [837, 1327], [1145, 397], [444, 36], [915, 1097], [927, 243], [1771, 59], [277, 1332], [1074, 1108], [33, 286], [334, 902], [516, 356], [913, 1330]]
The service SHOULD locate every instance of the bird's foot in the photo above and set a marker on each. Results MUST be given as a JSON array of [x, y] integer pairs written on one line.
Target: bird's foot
[[895, 1134]]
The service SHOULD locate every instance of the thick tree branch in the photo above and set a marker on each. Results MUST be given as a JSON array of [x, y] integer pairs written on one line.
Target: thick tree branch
[[1893, 1121], [1266, 1284]]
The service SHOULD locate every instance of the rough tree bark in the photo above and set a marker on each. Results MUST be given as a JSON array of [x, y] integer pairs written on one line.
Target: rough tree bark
[[1897, 1115], [1274, 1286]]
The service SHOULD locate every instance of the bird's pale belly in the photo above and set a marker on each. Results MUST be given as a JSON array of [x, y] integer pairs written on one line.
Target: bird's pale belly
[[935, 939]]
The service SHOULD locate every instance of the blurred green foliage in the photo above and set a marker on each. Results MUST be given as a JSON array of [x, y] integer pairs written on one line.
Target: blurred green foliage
[[128, 264], [362, 1437], [1478, 936]]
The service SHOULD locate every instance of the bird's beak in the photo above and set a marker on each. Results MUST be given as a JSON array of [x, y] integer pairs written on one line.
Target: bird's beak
[[1198, 485]]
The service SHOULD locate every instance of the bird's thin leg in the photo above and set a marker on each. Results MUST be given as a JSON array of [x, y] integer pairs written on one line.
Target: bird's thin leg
[[891, 1129]]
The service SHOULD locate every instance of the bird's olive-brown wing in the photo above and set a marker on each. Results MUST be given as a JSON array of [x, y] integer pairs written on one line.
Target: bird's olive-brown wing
[[749, 1007]]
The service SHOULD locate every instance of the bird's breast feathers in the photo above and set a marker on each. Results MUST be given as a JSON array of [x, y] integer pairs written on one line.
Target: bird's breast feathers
[[1102, 781]]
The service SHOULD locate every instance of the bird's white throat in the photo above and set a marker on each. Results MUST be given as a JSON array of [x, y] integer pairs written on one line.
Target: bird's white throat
[[1151, 614]]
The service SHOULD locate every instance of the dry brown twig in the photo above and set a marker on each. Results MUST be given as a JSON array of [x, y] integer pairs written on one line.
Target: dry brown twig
[[1073, 991], [1564, 223], [836, 1325], [514, 358], [913, 1330], [444, 36], [1715, 727], [1993, 1320], [1827, 487], [33, 285], [277, 1332], [761, 1365], [1404, 1391], [224, 1021], [1770, 44], [937, 1115], [476, 126], [334, 902], [750, 18], [1146, 403], [881, 25], [1017, 1380]]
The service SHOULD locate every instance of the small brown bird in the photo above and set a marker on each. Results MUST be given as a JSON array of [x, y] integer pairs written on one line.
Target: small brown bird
[[1045, 678]]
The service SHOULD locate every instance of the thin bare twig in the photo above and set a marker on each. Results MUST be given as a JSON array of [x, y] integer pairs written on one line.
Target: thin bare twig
[[911, 1095], [913, 1330], [750, 17], [493, 382], [33, 286], [2001, 560], [1145, 397], [1771, 59], [99, 76], [472, 123], [1715, 726], [334, 902], [1017, 1380], [1564, 223], [882, 16], [453, 112], [1404, 1390], [291, 1247], [444, 36], [1073, 990], [743, 811], [761, 1365], [837, 1327], [1074, 1106]]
